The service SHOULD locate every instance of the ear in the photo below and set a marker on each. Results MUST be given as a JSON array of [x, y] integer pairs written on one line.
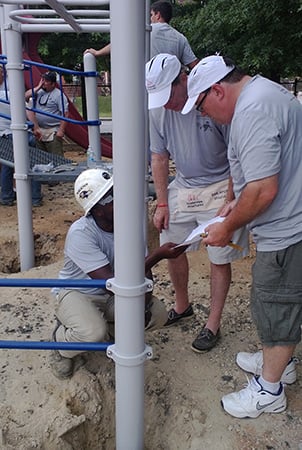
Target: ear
[[218, 90]]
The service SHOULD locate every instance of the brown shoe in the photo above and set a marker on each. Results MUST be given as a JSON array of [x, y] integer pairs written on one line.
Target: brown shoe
[[205, 340], [174, 317]]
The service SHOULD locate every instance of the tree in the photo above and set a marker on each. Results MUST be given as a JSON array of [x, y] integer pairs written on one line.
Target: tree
[[260, 35], [66, 49]]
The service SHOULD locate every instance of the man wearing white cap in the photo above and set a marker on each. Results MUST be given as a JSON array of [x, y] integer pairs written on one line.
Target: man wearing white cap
[[200, 189], [266, 165]]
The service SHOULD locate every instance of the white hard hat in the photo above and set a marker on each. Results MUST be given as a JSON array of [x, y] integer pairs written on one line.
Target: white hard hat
[[91, 186]]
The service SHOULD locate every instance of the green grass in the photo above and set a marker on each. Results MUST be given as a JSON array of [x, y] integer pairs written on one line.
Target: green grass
[[104, 105]]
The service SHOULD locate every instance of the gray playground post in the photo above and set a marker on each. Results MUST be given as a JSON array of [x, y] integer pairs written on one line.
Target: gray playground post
[[129, 284], [92, 105], [12, 36]]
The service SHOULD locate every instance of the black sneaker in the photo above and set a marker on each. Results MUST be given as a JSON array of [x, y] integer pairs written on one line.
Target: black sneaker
[[174, 317], [206, 340]]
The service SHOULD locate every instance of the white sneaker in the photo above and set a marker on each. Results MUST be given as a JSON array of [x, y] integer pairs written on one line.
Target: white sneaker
[[253, 362], [253, 401]]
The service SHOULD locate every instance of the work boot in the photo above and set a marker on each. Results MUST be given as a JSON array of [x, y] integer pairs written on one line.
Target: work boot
[[60, 366]]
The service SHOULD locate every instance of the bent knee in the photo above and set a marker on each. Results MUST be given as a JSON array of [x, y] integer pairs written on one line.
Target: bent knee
[[94, 332]]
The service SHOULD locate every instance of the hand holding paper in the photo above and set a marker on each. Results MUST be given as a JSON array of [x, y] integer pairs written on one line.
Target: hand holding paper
[[199, 233], [196, 234]]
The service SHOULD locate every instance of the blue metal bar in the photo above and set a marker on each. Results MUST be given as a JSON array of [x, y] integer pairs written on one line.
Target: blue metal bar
[[48, 282], [39, 345], [61, 70]]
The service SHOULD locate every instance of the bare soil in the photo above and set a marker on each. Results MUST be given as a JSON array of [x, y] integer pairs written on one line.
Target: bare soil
[[182, 389]]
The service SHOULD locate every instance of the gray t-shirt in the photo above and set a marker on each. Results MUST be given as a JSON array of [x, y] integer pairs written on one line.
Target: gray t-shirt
[[50, 102], [265, 140], [87, 248], [196, 144], [165, 39]]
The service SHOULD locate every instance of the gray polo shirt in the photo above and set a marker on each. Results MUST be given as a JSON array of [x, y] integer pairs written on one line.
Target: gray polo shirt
[[165, 39]]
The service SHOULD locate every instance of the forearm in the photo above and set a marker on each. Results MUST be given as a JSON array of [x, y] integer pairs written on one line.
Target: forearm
[[32, 92], [255, 198], [104, 51], [151, 260], [160, 174], [32, 117], [101, 52], [63, 125], [230, 192]]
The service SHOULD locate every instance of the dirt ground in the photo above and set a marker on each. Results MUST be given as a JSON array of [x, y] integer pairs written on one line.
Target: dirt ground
[[182, 389]]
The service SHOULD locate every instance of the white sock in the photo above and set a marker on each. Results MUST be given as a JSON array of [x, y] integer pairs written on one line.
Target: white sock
[[273, 388]]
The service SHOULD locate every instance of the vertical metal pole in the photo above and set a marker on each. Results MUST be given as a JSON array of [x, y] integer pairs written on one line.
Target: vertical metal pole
[[2, 21], [83, 94], [92, 105], [147, 137], [14, 67], [128, 92]]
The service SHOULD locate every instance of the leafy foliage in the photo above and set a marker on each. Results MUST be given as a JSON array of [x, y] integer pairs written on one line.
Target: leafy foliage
[[66, 49], [260, 35]]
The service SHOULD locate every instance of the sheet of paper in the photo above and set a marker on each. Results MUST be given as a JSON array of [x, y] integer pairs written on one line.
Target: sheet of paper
[[195, 235]]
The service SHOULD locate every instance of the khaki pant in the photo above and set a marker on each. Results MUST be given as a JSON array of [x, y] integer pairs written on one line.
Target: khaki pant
[[87, 318], [82, 318], [55, 146]]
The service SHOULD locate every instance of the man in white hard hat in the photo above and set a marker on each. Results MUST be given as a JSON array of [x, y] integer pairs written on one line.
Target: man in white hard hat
[[201, 187], [84, 314]]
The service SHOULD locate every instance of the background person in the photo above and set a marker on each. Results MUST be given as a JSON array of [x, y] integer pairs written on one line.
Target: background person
[[266, 163], [201, 186], [8, 195], [49, 131], [163, 37]]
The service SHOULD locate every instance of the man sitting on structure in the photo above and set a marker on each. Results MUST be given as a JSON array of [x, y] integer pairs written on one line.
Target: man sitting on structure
[[48, 129]]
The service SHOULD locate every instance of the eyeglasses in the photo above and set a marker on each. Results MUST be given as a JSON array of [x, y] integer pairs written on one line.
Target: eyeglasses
[[199, 107]]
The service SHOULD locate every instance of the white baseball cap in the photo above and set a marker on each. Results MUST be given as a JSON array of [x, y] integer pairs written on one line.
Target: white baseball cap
[[161, 71], [207, 72]]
